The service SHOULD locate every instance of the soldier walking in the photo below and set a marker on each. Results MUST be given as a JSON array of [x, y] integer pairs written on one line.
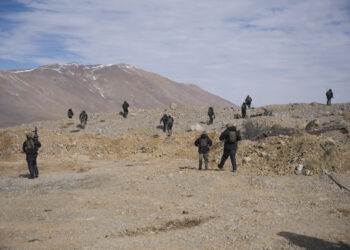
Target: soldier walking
[[30, 147], [203, 143], [164, 119], [248, 101], [211, 115], [329, 95], [125, 109], [70, 113], [244, 110], [230, 136], [83, 117], [169, 125]]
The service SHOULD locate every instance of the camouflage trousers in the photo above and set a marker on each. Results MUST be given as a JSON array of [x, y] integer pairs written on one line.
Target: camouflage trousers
[[201, 157]]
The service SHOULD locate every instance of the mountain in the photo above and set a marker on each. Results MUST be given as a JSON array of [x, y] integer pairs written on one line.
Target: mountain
[[47, 92]]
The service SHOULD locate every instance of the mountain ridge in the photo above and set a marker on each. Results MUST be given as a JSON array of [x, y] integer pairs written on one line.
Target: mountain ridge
[[46, 92]]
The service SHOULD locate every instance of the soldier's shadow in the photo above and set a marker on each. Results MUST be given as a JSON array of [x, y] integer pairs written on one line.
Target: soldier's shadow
[[24, 176], [193, 168]]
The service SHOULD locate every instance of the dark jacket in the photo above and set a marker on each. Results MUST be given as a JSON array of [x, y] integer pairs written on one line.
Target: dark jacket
[[83, 116], [244, 107], [248, 100], [70, 113], [225, 135], [164, 119], [125, 105], [33, 152], [329, 94], [211, 111], [205, 149]]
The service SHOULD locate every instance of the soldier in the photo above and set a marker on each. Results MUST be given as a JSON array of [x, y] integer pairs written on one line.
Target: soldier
[[211, 115], [164, 119], [230, 136], [203, 143], [244, 110], [30, 147], [248, 101], [329, 95], [169, 125], [83, 117], [125, 109], [70, 113]]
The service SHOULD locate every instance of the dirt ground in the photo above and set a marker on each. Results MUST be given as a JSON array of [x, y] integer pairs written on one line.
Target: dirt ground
[[122, 184], [135, 204]]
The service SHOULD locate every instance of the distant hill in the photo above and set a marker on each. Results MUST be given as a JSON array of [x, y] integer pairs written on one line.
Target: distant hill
[[47, 92]]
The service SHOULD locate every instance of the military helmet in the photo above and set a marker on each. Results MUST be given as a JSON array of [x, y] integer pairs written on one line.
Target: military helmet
[[29, 135]]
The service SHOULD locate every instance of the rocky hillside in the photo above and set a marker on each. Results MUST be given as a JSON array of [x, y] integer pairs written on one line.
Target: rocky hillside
[[276, 138], [45, 93]]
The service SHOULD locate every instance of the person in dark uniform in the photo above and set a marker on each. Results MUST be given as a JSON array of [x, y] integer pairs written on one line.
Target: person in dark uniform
[[169, 125], [83, 117], [125, 109], [30, 147], [329, 95], [203, 143], [70, 113], [211, 115], [164, 120], [248, 101], [244, 110], [230, 136]]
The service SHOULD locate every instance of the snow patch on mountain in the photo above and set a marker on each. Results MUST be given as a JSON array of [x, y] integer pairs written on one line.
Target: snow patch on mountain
[[23, 71]]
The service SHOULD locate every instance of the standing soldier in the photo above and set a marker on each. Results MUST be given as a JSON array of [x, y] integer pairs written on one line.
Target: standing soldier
[[125, 109], [70, 113], [329, 95], [230, 136], [203, 143], [164, 119], [83, 118], [244, 110], [30, 147], [211, 115], [248, 101], [169, 125]]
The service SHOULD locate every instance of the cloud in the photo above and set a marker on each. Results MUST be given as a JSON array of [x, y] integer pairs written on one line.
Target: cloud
[[278, 52]]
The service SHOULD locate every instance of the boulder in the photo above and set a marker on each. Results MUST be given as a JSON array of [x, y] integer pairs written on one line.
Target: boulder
[[196, 127], [312, 125]]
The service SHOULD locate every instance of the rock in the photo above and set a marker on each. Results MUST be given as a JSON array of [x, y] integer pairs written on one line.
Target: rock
[[312, 125], [246, 160], [173, 106], [196, 127]]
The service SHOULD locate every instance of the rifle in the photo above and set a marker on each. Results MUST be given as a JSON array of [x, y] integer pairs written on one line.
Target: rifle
[[36, 137]]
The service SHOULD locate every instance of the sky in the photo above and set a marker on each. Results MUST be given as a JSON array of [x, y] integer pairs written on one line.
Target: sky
[[276, 51]]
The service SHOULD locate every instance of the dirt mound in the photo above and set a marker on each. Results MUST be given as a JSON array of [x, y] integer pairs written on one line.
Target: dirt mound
[[276, 155], [280, 155]]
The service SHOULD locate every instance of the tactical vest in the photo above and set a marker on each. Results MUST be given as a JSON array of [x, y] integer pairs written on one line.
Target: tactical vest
[[232, 137], [203, 142]]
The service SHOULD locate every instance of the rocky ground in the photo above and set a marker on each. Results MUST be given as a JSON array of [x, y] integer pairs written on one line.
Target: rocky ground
[[122, 183]]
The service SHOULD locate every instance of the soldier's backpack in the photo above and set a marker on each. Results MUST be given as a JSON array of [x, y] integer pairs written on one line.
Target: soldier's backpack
[[30, 146], [203, 142], [232, 137], [210, 111]]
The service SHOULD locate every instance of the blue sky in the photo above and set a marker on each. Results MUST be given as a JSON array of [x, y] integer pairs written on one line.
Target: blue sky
[[276, 51]]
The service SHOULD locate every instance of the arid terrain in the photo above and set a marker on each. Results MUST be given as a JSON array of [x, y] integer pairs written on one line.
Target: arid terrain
[[47, 92], [123, 184]]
